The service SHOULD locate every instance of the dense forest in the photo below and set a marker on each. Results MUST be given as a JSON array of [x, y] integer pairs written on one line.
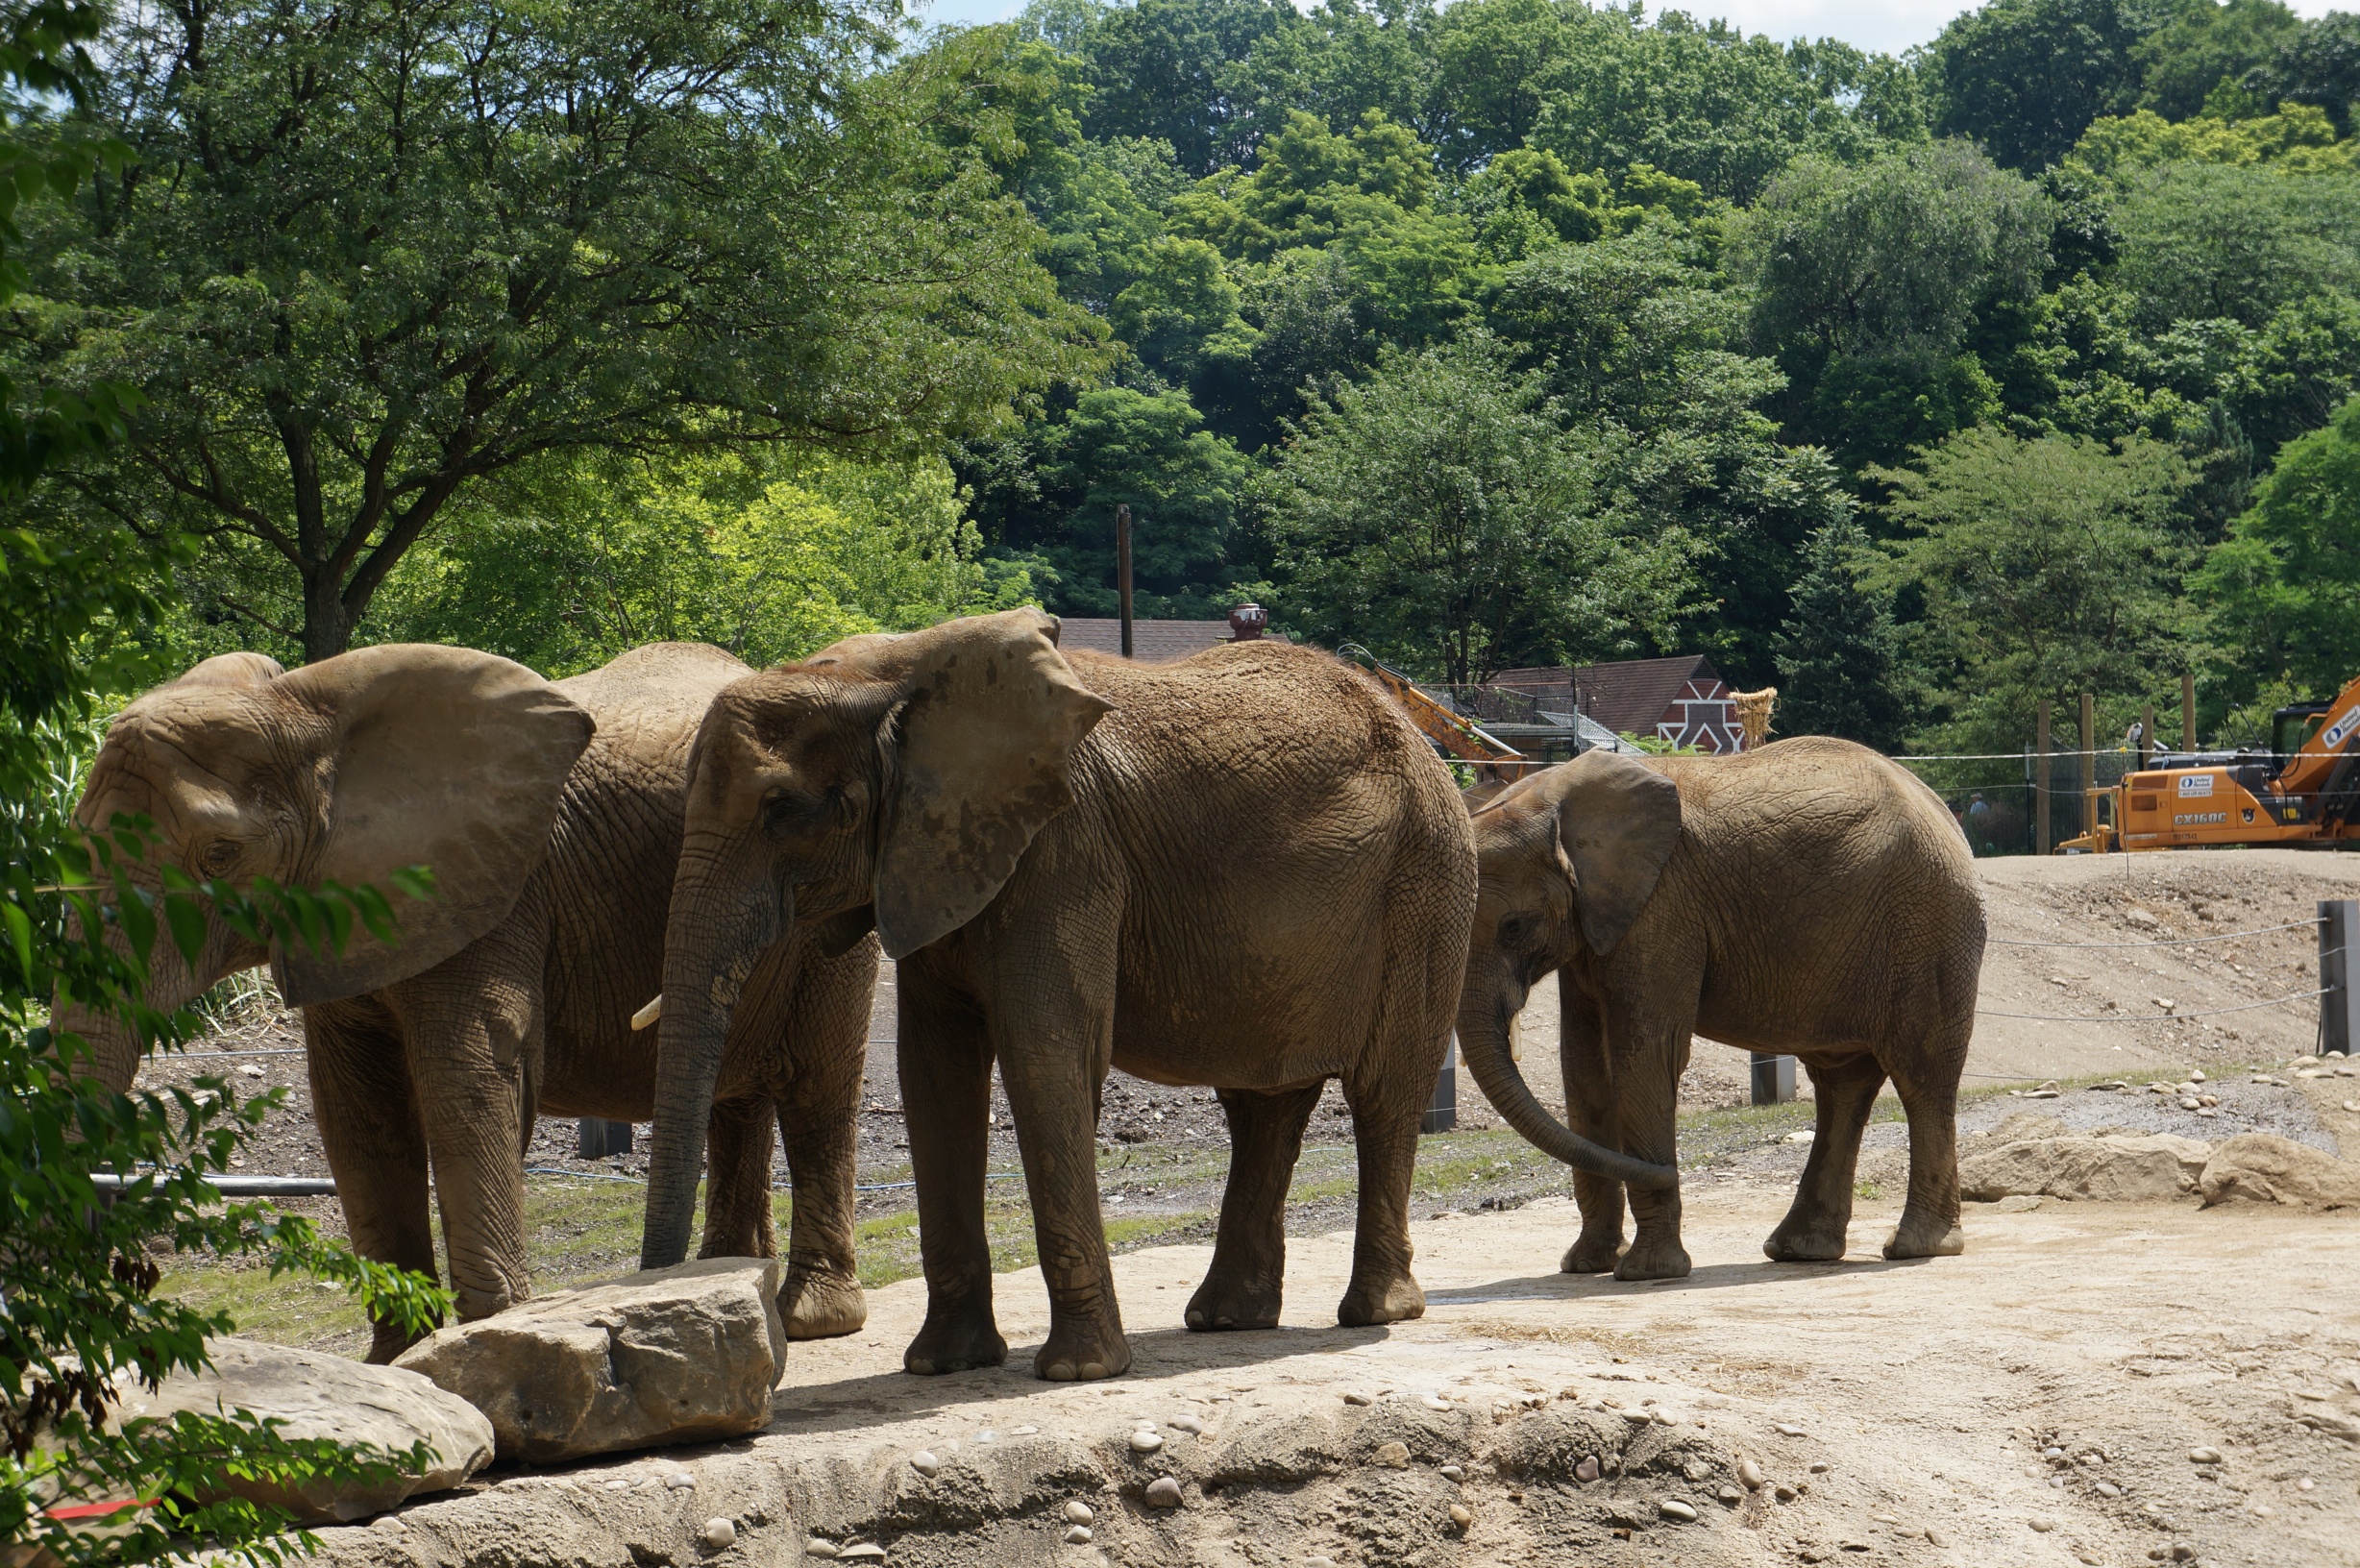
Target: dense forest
[[1505, 332]]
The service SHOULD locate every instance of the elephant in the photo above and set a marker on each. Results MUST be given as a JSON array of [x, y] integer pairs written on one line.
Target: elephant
[[1810, 898], [1242, 871], [549, 814]]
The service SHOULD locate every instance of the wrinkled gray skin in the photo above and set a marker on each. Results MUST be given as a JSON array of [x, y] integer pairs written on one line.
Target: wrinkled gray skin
[[551, 816], [1810, 898], [1243, 870]]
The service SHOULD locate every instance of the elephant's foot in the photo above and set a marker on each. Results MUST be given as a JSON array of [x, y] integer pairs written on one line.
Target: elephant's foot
[[821, 1304], [388, 1341], [1653, 1257], [955, 1339], [1916, 1237], [1809, 1238], [1082, 1349], [1591, 1253], [1366, 1305], [1234, 1302]]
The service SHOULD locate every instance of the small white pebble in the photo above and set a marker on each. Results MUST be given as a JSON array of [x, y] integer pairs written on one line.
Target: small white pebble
[[681, 1480], [1077, 1534], [1186, 1423], [925, 1463], [1671, 1507], [1080, 1513], [1357, 1398], [720, 1534], [1144, 1441], [816, 1546], [1451, 1472], [1434, 1402], [986, 1436], [1789, 1428]]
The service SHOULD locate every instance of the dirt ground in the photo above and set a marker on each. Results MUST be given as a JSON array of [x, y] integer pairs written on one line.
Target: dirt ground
[[2055, 1396]]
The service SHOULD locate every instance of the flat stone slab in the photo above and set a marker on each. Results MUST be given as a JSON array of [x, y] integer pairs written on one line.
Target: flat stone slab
[[682, 1355], [2157, 1168], [327, 1396]]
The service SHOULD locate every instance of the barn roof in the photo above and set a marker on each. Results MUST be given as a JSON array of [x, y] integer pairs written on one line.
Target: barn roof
[[1152, 641]]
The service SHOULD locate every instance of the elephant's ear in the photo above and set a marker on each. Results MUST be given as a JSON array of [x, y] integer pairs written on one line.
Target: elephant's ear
[[436, 756], [1619, 823], [988, 724]]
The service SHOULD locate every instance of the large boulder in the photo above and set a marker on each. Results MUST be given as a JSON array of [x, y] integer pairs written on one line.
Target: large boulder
[[327, 1396], [682, 1355], [2109, 1169], [2263, 1167]]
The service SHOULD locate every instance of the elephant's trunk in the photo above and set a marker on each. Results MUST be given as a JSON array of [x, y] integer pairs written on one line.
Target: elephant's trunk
[[716, 936], [116, 1048], [1483, 1039]]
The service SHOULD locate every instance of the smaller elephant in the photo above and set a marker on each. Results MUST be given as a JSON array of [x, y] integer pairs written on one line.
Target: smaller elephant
[[551, 816], [1810, 898]]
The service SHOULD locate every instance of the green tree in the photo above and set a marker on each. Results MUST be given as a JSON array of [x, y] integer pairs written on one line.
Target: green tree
[[2204, 44], [1169, 70], [2204, 240], [2280, 589], [372, 254], [1440, 515], [1869, 280], [2318, 64], [1839, 656], [2024, 78], [2044, 568]]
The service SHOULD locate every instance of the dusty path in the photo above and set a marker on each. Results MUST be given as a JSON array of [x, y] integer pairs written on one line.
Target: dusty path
[[2035, 1402]]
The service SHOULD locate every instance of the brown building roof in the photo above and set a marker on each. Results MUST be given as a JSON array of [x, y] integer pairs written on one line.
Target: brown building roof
[[1629, 697], [1152, 641]]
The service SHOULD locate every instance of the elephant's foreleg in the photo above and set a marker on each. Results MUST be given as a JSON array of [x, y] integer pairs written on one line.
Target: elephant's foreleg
[[1589, 1110], [945, 1062], [368, 1120], [1927, 1083], [470, 1023], [737, 1188], [1816, 1227], [1649, 1047], [1242, 1288]]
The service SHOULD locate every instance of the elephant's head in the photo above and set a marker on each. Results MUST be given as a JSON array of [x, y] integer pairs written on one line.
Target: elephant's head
[[348, 771], [887, 781], [1566, 858]]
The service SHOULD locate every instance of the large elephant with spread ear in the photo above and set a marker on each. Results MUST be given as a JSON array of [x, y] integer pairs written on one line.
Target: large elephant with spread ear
[[1810, 898], [1243, 870], [550, 814]]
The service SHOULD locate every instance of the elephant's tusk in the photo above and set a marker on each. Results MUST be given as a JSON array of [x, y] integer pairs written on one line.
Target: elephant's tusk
[[649, 1013]]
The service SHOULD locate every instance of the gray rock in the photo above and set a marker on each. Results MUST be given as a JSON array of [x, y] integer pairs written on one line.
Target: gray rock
[[682, 1355], [1163, 1492], [2161, 1167], [327, 1396]]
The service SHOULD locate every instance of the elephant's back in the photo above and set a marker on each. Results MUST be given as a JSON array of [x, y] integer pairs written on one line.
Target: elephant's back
[[653, 695]]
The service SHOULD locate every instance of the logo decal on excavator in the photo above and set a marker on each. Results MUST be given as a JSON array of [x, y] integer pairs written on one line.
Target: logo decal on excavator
[[2196, 784], [2198, 819], [2334, 734]]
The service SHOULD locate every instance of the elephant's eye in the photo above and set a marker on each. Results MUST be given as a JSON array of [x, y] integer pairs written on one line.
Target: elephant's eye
[[1514, 930], [790, 810], [219, 857]]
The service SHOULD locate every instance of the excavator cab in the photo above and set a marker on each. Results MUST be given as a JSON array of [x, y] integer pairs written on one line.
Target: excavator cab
[[2290, 728]]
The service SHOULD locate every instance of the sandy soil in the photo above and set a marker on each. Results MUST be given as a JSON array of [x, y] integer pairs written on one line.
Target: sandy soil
[[2042, 1400]]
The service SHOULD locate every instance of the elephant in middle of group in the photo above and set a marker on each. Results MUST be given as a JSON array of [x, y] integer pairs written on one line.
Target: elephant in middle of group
[[550, 814], [1243, 870], [1810, 898]]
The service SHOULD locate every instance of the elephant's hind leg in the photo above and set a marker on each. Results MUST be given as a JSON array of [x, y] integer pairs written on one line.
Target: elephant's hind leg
[[1249, 1254], [821, 1296], [1818, 1223], [737, 1194], [1386, 1107], [368, 1120], [1927, 1083]]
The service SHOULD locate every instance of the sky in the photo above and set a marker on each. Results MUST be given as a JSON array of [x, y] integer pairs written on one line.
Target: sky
[[1888, 25]]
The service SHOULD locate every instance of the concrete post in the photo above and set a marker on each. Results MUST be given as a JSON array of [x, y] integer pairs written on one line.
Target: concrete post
[[1774, 1079], [2339, 1007]]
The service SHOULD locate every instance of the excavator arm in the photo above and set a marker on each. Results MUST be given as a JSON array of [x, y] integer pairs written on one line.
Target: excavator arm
[[1454, 733]]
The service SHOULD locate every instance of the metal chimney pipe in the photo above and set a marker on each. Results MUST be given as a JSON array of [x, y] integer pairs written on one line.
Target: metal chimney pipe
[[1122, 571]]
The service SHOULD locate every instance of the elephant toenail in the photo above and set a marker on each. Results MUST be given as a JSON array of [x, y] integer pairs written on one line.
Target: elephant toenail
[[1061, 1372], [1196, 1318], [922, 1366], [1094, 1369]]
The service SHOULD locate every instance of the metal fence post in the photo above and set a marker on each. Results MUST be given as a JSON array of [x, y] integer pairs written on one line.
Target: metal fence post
[[2089, 763], [1774, 1079], [597, 1137], [2339, 1002], [1443, 1114], [2042, 783]]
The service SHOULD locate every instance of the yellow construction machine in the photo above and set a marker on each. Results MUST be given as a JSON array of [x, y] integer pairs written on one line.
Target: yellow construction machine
[[2302, 791], [1453, 733]]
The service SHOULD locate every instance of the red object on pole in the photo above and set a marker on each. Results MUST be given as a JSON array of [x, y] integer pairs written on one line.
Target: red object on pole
[[1122, 571]]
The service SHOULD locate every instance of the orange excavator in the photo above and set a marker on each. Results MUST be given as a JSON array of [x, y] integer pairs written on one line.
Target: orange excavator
[[1452, 733], [2304, 790]]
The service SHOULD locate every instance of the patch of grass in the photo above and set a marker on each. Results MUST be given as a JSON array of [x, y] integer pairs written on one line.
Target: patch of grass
[[1867, 1190]]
